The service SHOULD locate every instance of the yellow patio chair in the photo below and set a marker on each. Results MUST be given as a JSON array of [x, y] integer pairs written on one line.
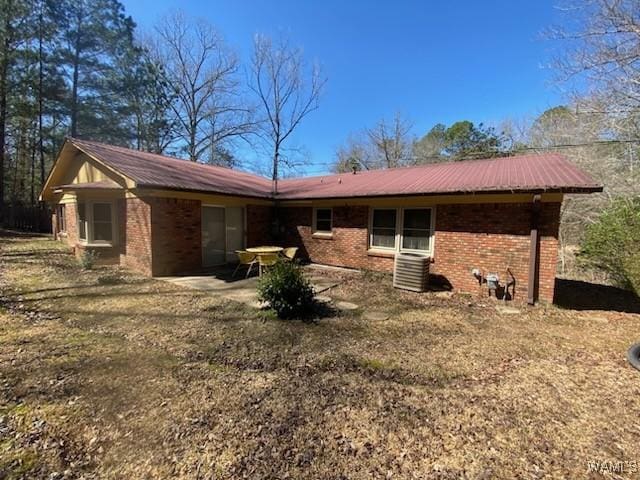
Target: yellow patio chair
[[289, 253], [267, 260], [245, 258]]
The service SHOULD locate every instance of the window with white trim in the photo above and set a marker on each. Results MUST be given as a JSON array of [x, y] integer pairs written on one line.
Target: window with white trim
[[322, 220], [96, 222], [383, 228], [401, 229], [416, 229]]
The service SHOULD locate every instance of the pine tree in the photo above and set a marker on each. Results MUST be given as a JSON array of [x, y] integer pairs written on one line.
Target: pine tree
[[95, 33]]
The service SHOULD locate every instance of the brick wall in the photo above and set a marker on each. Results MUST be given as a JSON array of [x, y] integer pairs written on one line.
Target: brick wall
[[548, 250], [176, 234], [162, 236], [259, 219], [347, 246], [71, 223], [492, 237], [134, 219]]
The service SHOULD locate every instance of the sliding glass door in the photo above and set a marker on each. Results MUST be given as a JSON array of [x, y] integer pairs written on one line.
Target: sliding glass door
[[213, 236], [222, 234]]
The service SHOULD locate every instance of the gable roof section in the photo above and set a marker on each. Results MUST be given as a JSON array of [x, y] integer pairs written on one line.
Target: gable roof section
[[549, 172], [150, 170]]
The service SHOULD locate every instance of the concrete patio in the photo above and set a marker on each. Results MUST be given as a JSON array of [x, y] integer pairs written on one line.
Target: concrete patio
[[219, 281]]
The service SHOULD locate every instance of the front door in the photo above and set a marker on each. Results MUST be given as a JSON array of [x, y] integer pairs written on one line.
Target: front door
[[213, 236]]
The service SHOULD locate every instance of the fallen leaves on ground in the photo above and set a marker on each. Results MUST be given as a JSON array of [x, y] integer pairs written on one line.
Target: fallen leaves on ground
[[107, 374]]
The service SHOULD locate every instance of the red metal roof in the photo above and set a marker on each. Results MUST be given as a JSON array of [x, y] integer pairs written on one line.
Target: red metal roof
[[525, 173], [159, 171], [550, 172]]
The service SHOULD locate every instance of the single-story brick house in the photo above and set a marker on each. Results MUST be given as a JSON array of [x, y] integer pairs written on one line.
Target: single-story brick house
[[165, 216]]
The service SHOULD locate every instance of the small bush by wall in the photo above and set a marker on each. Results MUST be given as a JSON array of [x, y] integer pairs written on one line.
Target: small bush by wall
[[88, 259]]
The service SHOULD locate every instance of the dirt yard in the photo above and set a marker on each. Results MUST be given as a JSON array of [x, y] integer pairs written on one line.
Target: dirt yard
[[106, 374]]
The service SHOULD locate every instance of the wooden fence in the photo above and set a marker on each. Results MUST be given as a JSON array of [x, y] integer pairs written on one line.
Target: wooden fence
[[27, 218]]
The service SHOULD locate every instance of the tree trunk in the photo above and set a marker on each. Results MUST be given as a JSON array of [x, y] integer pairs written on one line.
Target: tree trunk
[[276, 160], [40, 91], [74, 99], [33, 169], [4, 72], [76, 74], [192, 144]]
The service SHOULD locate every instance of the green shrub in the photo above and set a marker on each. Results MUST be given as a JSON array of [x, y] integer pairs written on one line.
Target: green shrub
[[286, 290], [613, 243], [88, 259]]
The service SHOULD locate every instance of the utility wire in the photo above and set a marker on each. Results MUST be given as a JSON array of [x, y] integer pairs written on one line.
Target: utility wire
[[507, 153]]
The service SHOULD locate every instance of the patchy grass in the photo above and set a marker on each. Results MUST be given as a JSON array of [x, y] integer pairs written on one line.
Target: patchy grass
[[106, 374]]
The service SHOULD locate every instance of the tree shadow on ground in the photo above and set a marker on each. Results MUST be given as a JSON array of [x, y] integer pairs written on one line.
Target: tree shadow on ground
[[579, 295]]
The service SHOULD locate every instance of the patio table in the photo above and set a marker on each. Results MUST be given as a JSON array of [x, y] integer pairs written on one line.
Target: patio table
[[265, 250]]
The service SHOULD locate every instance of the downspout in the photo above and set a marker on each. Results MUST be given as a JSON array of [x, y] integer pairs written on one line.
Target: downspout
[[534, 250]]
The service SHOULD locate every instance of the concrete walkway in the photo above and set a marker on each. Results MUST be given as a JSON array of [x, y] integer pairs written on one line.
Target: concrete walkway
[[219, 282]]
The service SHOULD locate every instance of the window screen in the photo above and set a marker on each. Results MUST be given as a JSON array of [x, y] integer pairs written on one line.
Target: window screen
[[383, 228], [416, 231], [323, 220], [102, 228]]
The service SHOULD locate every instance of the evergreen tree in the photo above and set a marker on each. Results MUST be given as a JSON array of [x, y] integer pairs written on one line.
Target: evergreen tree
[[95, 34]]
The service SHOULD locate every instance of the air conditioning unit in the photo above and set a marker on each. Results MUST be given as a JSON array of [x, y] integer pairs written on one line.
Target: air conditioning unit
[[411, 272]]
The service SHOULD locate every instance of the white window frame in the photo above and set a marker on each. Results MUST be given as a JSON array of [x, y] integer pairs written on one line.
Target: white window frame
[[88, 205], [397, 248], [380, 248], [315, 221]]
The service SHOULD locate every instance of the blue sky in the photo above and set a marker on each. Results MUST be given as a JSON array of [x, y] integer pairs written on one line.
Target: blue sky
[[433, 61]]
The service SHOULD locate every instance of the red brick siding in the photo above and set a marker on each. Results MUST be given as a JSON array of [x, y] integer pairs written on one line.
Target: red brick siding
[[134, 222], [492, 237], [347, 245], [548, 259], [71, 224], [259, 219], [176, 235]]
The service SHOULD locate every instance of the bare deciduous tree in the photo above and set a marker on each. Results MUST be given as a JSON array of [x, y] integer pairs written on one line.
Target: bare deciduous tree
[[355, 154], [286, 91], [388, 144], [209, 107], [393, 141], [603, 48]]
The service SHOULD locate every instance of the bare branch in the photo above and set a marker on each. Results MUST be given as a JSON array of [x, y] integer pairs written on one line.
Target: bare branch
[[286, 92]]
